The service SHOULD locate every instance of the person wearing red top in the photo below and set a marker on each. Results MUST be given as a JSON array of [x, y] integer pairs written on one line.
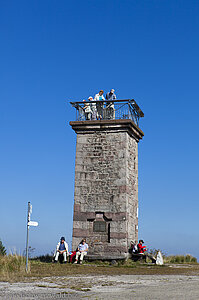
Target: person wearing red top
[[141, 248], [142, 253]]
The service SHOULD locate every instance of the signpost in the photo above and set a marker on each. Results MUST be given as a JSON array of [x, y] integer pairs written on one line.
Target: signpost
[[29, 223], [32, 223]]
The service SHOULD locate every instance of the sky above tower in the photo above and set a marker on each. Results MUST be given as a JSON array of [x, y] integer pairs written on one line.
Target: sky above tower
[[54, 52]]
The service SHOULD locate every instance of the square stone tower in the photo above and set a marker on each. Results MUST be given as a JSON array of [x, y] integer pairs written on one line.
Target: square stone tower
[[106, 186]]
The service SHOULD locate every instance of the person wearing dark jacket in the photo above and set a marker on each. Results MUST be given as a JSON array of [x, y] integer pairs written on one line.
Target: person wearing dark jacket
[[111, 95], [110, 110]]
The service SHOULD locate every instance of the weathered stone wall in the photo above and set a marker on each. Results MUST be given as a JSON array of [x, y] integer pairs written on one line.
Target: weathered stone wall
[[106, 191], [132, 193]]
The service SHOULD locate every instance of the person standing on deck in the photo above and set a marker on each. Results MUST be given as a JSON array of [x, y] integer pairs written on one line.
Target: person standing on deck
[[99, 97], [110, 110]]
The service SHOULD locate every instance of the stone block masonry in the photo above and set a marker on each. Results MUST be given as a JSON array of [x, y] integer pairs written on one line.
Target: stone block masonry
[[106, 186]]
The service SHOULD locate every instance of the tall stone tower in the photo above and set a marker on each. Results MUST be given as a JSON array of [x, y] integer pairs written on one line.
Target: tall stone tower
[[106, 186]]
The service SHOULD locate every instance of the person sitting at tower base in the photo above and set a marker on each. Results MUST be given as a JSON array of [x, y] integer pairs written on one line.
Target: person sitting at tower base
[[81, 251], [141, 248], [142, 253], [133, 247], [62, 249]]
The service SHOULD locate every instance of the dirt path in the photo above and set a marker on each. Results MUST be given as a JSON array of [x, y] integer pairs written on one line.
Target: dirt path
[[139, 287]]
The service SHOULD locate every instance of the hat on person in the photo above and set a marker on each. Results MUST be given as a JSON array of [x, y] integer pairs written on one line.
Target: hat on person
[[90, 97], [141, 241], [62, 238]]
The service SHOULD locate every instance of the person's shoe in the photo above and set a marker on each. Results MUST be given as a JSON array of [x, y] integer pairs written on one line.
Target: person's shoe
[[55, 262], [80, 262], [75, 262], [65, 262]]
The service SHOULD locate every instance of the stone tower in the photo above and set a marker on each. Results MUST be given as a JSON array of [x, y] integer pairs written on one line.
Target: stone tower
[[106, 186]]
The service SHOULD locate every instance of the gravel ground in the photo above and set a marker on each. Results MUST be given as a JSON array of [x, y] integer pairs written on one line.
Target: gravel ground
[[139, 287]]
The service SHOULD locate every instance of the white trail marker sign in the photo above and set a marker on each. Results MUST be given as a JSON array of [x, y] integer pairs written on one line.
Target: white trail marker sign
[[29, 223]]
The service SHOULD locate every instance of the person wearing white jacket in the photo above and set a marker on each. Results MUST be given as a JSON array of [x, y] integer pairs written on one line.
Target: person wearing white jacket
[[62, 248], [99, 97], [93, 108], [87, 110]]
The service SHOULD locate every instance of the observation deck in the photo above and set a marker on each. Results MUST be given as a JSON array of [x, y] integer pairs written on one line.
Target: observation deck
[[126, 109]]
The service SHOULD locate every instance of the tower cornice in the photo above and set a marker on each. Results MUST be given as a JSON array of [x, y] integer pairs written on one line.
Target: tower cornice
[[126, 125]]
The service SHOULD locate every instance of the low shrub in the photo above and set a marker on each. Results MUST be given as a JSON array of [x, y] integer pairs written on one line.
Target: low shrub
[[180, 259], [44, 258], [174, 259]]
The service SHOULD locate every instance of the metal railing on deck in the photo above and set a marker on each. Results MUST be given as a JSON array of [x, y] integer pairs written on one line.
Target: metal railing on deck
[[108, 110]]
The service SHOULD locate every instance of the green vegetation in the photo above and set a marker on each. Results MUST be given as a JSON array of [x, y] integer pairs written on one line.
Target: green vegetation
[[11, 264], [2, 249], [180, 259], [12, 267], [174, 259]]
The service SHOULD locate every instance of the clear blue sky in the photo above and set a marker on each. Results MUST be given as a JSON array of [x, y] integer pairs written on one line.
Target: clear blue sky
[[53, 52]]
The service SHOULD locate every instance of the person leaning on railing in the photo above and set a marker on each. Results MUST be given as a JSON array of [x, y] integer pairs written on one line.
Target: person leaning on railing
[[110, 110], [99, 97], [93, 108], [87, 110]]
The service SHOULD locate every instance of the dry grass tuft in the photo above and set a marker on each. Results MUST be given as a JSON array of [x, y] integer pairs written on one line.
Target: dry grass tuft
[[12, 264]]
